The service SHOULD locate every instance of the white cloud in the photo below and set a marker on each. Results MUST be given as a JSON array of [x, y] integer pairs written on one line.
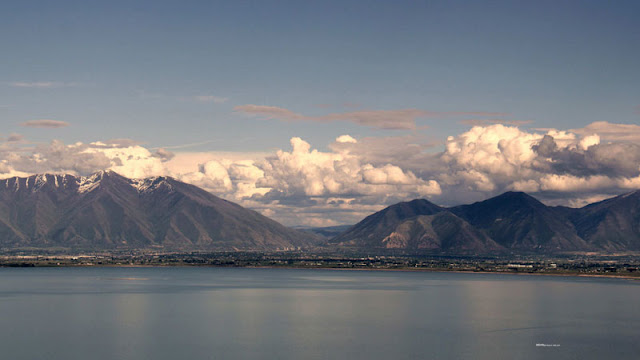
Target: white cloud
[[55, 157], [346, 139], [564, 183], [305, 178], [82, 159], [589, 141], [488, 160], [484, 157], [314, 173], [302, 185], [217, 176], [130, 161]]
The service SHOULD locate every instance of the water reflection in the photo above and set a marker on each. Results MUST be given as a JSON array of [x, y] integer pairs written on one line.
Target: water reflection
[[167, 313]]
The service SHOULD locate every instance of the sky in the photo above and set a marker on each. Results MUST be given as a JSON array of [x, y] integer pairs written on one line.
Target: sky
[[319, 113]]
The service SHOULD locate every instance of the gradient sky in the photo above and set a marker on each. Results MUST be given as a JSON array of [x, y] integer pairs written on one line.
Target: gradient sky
[[245, 77]]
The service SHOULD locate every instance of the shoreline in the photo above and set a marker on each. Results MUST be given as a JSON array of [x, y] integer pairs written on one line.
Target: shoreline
[[436, 270]]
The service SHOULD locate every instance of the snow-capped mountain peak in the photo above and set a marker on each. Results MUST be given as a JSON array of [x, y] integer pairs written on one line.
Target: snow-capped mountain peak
[[151, 184], [105, 210], [82, 184]]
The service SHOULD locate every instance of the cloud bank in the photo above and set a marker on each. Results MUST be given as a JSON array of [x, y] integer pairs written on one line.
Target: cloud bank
[[300, 185]]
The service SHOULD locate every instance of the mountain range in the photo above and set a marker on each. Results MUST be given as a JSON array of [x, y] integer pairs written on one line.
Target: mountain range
[[106, 210], [511, 222]]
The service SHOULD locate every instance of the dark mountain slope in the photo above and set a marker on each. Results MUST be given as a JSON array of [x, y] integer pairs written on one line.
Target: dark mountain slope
[[105, 213], [518, 221], [106, 210], [205, 220], [612, 224]]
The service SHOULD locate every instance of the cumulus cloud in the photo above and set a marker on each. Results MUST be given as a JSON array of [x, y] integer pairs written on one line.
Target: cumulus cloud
[[588, 157], [563, 167], [130, 161], [305, 178], [314, 173], [81, 159], [301, 185], [402, 119], [484, 157], [56, 157], [45, 123], [346, 139]]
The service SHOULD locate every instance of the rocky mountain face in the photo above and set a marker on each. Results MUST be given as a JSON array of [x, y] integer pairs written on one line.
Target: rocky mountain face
[[443, 231], [106, 210], [511, 222], [374, 228]]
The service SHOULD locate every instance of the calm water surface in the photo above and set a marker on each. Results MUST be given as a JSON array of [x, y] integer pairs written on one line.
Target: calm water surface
[[212, 313]]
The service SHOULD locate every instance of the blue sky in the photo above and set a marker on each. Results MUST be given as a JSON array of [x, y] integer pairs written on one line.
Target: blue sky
[[168, 73], [564, 63]]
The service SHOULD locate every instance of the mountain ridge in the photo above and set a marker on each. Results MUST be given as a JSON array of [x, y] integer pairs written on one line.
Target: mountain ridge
[[517, 220], [107, 210], [509, 222]]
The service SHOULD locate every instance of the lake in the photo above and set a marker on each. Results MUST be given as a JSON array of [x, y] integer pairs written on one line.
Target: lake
[[222, 313]]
